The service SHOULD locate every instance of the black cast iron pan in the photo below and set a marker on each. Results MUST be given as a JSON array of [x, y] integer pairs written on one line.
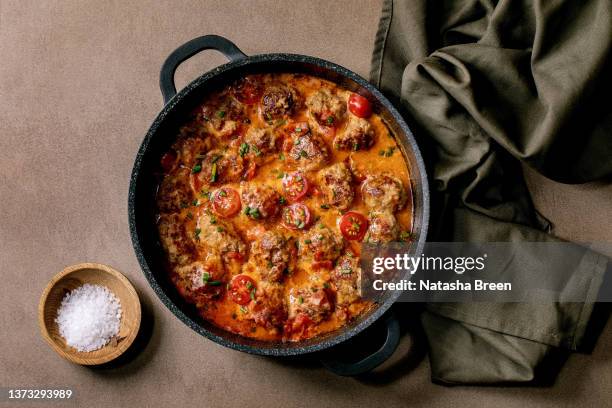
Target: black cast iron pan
[[158, 140]]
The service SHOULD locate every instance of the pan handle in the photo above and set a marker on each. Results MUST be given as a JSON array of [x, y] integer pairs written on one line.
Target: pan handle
[[349, 369], [188, 50]]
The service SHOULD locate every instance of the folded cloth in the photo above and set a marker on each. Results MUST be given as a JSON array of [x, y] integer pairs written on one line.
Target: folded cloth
[[490, 87]]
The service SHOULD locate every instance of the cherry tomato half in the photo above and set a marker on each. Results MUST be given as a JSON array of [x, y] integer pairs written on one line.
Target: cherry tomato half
[[247, 90], [359, 106], [295, 185], [296, 216], [226, 202], [353, 226], [242, 289]]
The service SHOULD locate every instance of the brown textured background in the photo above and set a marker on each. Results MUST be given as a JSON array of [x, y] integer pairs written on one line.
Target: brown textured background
[[78, 90]]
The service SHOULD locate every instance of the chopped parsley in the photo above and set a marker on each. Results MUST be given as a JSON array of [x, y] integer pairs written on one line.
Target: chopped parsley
[[195, 202], [281, 156], [244, 149], [330, 120], [252, 212], [205, 277], [282, 200], [214, 283], [196, 169], [300, 299], [324, 206], [197, 233], [221, 114]]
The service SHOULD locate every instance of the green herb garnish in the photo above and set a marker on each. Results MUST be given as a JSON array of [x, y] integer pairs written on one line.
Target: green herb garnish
[[244, 149], [213, 173], [196, 169]]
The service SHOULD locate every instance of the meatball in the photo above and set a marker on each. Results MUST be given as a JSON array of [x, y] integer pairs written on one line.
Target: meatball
[[260, 141], [218, 236], [358, 135], [174, 192], [383, 192], [278, 101], [346, 277], [200, 281], [272, 254], [321, 244], [190, 148], [326, 109], [217, 167], [223, 118], [260, 201], [383, 227], [270, 309], [308, 151], [174, 239], [315, 303], [336, 185]]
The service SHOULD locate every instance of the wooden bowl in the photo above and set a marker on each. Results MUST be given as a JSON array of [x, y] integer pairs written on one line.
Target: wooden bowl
[[96, 274]]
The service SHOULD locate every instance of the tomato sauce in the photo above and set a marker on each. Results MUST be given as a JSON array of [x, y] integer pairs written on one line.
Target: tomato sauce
[[237, 210]]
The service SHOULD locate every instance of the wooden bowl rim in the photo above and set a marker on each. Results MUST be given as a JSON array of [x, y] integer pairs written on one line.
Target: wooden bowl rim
[[125, 344]]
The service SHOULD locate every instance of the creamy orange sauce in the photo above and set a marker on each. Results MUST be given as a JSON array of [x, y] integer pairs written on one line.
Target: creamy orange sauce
[[218, 306]]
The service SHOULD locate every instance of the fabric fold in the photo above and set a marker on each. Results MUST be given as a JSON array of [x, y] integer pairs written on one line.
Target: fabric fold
[[492, 87]]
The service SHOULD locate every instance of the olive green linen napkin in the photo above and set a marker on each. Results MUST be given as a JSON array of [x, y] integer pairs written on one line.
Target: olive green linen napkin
[[489, 87]]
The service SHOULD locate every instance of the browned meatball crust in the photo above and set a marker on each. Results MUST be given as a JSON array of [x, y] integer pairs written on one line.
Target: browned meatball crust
[[383, 227], [218, 167], [325, 108], [346, 278], [358, 135], [217, 235], [270, 309], [383, 192], [272, 254], [336, 184], [260, 141], [260, 201], [278, 101], [320, 244], [200, 281], [174, 193], [175, 240], [308, 150], [316, 303]]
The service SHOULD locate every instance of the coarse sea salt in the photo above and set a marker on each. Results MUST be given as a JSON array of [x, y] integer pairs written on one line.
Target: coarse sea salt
[[88, 317]]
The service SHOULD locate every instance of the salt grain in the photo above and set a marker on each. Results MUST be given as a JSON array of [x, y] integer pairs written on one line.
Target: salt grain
[[89, 317]]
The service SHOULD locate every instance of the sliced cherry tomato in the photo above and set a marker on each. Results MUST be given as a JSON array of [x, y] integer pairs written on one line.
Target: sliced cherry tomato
[[247, 90], [296, 216], [226, 202], [242, 289], [168, 160], [295, 186], [353, 226], [359, 106]]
